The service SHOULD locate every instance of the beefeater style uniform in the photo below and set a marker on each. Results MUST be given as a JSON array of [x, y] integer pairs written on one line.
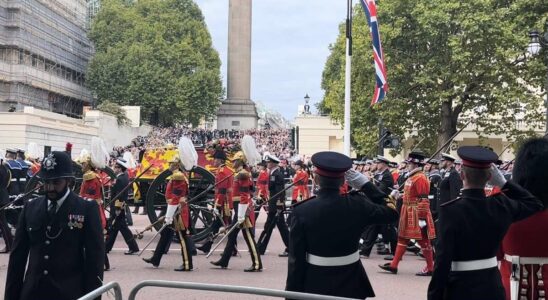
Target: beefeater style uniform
[[300, 187], [245, 220], [176, 194], [415, 217], [324, 259], [471, 230]]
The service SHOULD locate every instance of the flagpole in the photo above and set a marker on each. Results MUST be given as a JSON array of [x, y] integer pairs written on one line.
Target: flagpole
[[347, 81]]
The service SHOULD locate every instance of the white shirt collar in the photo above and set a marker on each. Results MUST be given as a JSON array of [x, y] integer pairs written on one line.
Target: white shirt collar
[[60, 201]]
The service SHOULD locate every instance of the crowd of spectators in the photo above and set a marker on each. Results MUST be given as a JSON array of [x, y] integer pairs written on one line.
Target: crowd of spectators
[[268, 141]]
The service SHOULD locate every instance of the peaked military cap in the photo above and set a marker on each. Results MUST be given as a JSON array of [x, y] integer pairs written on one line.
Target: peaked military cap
[[271, 158], [11, 151], [331, 164], [382, 159], [57, 164], [122, 162], [433, 162], [477, 157], [446, 156]]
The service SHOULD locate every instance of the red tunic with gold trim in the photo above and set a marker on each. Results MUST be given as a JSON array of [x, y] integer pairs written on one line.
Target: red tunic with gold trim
[[176, 194], [527, 238], [92, 189], [416, 207], [300, 187], [223, 191], [262, 184], [242, 191]]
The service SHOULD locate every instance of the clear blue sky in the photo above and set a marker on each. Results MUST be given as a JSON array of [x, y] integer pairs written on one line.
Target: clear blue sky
[[289, 47]]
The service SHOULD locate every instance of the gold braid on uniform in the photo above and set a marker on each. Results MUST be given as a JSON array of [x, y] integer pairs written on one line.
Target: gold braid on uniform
[[391, 202]]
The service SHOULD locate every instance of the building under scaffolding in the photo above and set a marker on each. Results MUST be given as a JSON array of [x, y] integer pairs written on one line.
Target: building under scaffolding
[[44, 52]]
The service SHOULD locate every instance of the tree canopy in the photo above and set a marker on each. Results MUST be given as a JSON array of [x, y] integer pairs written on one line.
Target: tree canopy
[[156, 54], [447, 61]]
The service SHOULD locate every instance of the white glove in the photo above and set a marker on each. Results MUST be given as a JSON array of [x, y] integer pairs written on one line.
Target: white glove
[[242, 210], [395, 194], [355, 179], [497, 179], [422, 223], [170, 213]]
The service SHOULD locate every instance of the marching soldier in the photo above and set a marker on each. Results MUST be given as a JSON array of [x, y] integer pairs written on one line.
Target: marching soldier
[[300, 183], [472, 227], [223, 196], [5, 177], [59, 235], [15, 170], [262, 187], [416, 219], [118, 221], [434, 177], [276, 206], [245, 218], [177, 217], [326, 261], [24, 170], [451, 184]]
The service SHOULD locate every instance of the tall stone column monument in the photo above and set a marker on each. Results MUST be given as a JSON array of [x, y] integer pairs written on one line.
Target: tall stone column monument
[[238, 111]]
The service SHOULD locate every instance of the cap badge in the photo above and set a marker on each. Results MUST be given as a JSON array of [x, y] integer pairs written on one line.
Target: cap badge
[[49, 162]]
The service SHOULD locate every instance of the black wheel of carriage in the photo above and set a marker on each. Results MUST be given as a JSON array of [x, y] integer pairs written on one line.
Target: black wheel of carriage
[[201, 214]]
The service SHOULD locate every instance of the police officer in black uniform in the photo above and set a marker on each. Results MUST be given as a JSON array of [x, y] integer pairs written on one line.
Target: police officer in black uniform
[[325, 231], [5, 177], [59, 235], [275, 207], [472, 227], [451, 183], [118, 222]]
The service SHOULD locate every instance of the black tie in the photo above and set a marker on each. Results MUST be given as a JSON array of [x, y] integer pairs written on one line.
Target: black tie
[[52, 209]]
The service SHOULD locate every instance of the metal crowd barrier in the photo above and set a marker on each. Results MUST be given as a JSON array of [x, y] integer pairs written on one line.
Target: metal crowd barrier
[[228, 289], [104, 289]]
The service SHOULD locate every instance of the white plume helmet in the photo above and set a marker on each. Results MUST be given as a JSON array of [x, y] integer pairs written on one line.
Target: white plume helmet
[[84, 153], [250, 150], [33, 151], [99, 153], [187, 153], [128, 157]]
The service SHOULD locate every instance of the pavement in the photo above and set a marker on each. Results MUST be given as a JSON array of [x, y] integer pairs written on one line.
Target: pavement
[[128, 270]]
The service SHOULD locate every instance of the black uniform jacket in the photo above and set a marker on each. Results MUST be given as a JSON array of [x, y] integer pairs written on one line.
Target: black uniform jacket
[[471, 228], [70, 264], [384, 181], [433, 196], [450, 186], [121, 182], [275, 185], [330, 225]]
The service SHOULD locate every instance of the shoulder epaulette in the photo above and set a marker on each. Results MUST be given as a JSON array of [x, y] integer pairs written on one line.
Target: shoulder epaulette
[[450, 201], [178, 176], [89, 175], [303, 201]]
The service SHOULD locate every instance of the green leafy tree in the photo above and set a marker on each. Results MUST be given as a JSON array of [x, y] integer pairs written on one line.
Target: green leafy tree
[[156, 54], [448, 62], [115, 110]]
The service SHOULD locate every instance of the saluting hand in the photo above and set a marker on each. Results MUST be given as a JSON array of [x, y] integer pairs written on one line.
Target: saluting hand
[[355, 179], [497, 179]]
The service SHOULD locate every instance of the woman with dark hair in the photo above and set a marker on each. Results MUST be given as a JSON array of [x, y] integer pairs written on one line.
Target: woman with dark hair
[[524, 266]]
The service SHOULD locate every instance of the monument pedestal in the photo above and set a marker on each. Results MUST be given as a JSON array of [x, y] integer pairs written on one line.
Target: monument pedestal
[[237, 114]]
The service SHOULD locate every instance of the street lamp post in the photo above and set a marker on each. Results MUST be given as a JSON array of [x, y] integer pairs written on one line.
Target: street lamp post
[[540, 41]]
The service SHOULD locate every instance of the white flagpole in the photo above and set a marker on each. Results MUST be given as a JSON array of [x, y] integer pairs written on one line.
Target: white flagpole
[[347, 81]]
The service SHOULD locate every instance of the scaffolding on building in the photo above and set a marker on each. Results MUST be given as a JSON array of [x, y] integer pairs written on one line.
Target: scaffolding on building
[[44, 53]]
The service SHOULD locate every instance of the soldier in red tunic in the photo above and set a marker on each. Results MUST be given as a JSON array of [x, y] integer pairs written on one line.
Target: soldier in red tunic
[[525, 246], [415, 219], [300, 183], [223, 196], [262, 182], [245, 218], [177, 216]]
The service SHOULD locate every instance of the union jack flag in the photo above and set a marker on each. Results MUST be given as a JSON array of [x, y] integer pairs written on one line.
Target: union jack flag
[[381, 86]]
